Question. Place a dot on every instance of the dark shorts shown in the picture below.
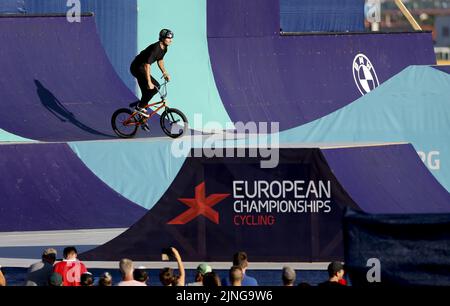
(138, 71)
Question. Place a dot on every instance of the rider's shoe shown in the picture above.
(141, 111)
(145, 127)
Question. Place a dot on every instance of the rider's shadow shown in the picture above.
(54, 106)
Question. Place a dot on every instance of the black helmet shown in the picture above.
(165, 33)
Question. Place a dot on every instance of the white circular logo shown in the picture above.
(364, 74)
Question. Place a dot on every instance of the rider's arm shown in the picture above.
(148, 74)
(162, 68)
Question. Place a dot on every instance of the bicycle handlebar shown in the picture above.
(162, 89)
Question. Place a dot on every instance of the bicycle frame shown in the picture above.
(162, 90)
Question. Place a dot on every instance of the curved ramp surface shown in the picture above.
(388, 179)
(265, 77)
(443, 68)
(413, 107)
(241, 217)
(47, 187)
(56, 82)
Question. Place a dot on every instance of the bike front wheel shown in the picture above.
(123, 124)
(174, 123)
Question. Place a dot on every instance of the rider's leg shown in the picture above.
(147, 93)
(139, 73)
(146, 96)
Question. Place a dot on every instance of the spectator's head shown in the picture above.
(288, 276)
(105, 280)
(241, 259)
(211, 279)
(140, 274)
(70, 253)
(126, 268)
(49, 255)
(236, 276)
(167, 278)
(86, 279)
(55, 280)
(335, 271)
(202, 269)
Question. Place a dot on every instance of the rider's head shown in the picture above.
(166, 36)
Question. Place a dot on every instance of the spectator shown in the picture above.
(39, 273)
(55, 280)
(211, 279)
(335, 273)
(127, 270)
(105, 280)
(2, 278)
(202, 269)
(236, 276)
(140, 275)
(241, 259)
(87, 280)
(288, 276)
(70, 268)
(167, 276)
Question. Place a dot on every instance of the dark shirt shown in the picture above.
(39, 273)
(150, 55)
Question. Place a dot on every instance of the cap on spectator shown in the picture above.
(55, 279)
(204, 268)
(289, 274)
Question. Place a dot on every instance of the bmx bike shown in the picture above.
(125, 122)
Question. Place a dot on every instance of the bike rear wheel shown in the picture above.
(174, 123)
(123, 125)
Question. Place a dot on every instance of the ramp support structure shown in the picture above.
(408, 15)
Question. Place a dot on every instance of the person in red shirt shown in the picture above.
(336, 274)
(70, 268)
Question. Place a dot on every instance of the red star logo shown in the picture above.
(200, 205)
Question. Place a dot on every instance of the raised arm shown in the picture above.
(2, 279)
(182, 279)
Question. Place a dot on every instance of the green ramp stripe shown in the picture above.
(141, 171)
(193, 89)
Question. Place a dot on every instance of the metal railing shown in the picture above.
(442, 55)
